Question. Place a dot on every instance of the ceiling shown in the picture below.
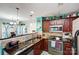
(8, 10)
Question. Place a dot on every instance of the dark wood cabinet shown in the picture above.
(56, 22)
(45, 44)
(67, 27)
(45, 25)
(67, 48)
(41, 46)
(37, 48)
(70, 26)
(67, 24)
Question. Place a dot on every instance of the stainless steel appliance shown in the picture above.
(76, 42)
(75, 32)
(55, 47)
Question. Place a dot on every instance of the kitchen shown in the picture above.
(53, 35)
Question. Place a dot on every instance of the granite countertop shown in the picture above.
(19, 50)
(26, 47)
(16, 36)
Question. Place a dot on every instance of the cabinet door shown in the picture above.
(66, 26)
(67, 48)
(41, 46)
(46, 24)
(70, 25)
(46, 44)
(37, 48)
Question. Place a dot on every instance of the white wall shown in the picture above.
(0, 30)
(32, 26)
(75, 26)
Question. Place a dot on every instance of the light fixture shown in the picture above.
(17, 22)
(11, 23)
(59, 8)
(32, 12)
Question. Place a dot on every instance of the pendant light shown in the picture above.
(11, 22)
(17, 22)
(31, 14)
(59, 9)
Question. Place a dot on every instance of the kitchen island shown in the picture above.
(23, 45)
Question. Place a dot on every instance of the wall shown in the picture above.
(32, 27)
(0, 48)
(0, 30)
(39, 24)
(78, 44)
(75, 26)
(74, 29)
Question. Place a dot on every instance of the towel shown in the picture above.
(53, 44)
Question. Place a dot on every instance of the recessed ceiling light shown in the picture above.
(32, 12)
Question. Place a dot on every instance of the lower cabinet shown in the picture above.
(45, 44)
(37, 48)
(41, 46)
(67, 48)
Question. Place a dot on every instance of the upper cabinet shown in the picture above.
(67, 27)
(56, 26)
(45, 25)
(52, 25)
(57, 22)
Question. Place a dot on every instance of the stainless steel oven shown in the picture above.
(55, 47)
